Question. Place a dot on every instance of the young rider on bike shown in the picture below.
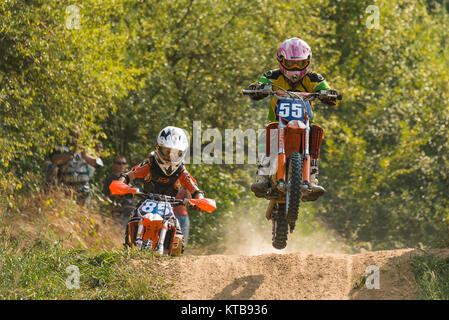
(164, 172)
(294, 58)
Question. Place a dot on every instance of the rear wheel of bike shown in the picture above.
(294, 181)
(280, 227)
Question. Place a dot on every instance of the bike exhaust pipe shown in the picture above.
(270, 209)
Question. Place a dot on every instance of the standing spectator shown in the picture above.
(70, 166)
(123, 205)
(181, 213)
(98, 151)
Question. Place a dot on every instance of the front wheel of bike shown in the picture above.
(294, 181)
(178, 246)
(280, 227)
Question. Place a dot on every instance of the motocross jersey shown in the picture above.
(156, 181)
(76, 170)
(311, 82)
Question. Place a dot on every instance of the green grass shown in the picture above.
(432, 276)
(40, 272)
(358, 284)
(34, 262)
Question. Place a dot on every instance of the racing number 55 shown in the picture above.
(285, 108)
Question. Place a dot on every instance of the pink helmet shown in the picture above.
(294, 57)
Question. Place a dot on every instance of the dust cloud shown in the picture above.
(250, 234)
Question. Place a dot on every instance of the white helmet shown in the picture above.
(171, 148)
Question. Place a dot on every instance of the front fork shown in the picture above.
(306, 155)
(282, 158)
(281, 174)
(160, 243)
(139, 235)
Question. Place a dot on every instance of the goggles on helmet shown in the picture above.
(294, 65)
(170, 154)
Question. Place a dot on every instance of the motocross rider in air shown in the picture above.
(294, 58)
(164, 172)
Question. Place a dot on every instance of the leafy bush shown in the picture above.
(432, 277)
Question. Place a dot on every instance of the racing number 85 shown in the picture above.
(153, 207)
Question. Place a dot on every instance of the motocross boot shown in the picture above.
(260, 186)
(312, 191)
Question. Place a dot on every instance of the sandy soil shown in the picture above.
(312, 267)
(296, 276)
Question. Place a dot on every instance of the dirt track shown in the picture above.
(295, 276)
(302, 271)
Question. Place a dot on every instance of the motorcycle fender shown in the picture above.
(152, 228)
(294, 125)
(294, 140)
(152, 217)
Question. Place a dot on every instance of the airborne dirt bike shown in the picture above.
(153, 225)
(292, 175)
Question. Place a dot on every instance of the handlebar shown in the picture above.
(204, 204)
(172, 200)
(156, 196)
(120, 188)
(306, 96)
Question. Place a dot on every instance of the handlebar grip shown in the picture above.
(248, 92)
(340, 97)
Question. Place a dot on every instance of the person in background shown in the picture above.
(98, 151)
(70, 166)
(122, 205)
(182, 214)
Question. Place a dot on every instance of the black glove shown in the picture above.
(258, 95)
(324, 97)
(195, 208)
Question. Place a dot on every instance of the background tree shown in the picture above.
(122, 70)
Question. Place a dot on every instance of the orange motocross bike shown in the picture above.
(293, 159)
(153, 226)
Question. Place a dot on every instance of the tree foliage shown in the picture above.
(122, 70)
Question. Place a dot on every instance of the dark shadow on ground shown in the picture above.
(241, 289)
